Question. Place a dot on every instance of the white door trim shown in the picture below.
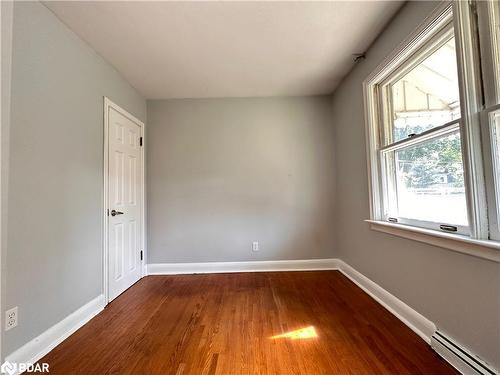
(107, 105)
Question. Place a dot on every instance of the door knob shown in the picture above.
(114, 213)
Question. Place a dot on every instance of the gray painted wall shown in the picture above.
(225, 172)
(460, 293)
(6, 8)
(55, 182)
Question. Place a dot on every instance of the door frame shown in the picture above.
(108, 104)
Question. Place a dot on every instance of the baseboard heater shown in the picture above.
(458, 357)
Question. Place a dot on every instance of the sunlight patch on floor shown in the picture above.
(303, 333)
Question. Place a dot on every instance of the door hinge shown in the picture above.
(140, 141)
(141, 254)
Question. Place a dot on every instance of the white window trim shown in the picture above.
(477, 244)
(489, 34)
(463, 244)
(492, 165)
(470, 102)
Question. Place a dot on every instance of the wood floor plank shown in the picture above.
(245, 323)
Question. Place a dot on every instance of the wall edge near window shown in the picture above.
(484, 249)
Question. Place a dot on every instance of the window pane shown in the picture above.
(429, 181)
(428, 95)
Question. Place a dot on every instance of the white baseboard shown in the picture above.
(48, 340)
(415, 321)
(254, 266)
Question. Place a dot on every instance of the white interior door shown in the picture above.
(125, 186)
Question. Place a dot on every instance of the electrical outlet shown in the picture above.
(11, 318)
(255, 246)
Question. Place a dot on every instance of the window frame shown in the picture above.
(437, 39)
(439, 18)
(489, 36)
(463, 17)
(492, 156)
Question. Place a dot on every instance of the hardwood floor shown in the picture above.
(224, 324)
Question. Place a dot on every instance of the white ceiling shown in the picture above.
(228, 49)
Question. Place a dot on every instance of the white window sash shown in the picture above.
(459, 229)
(436, 132)
(389, 186)
(418, 56)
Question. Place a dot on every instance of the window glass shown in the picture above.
(427, 96)
(429, 181)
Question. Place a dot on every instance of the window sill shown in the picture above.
(479, 248)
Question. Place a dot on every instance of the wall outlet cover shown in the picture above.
(11, 318)
(255, 246)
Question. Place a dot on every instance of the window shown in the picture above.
(431, 107)
(421, 155)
